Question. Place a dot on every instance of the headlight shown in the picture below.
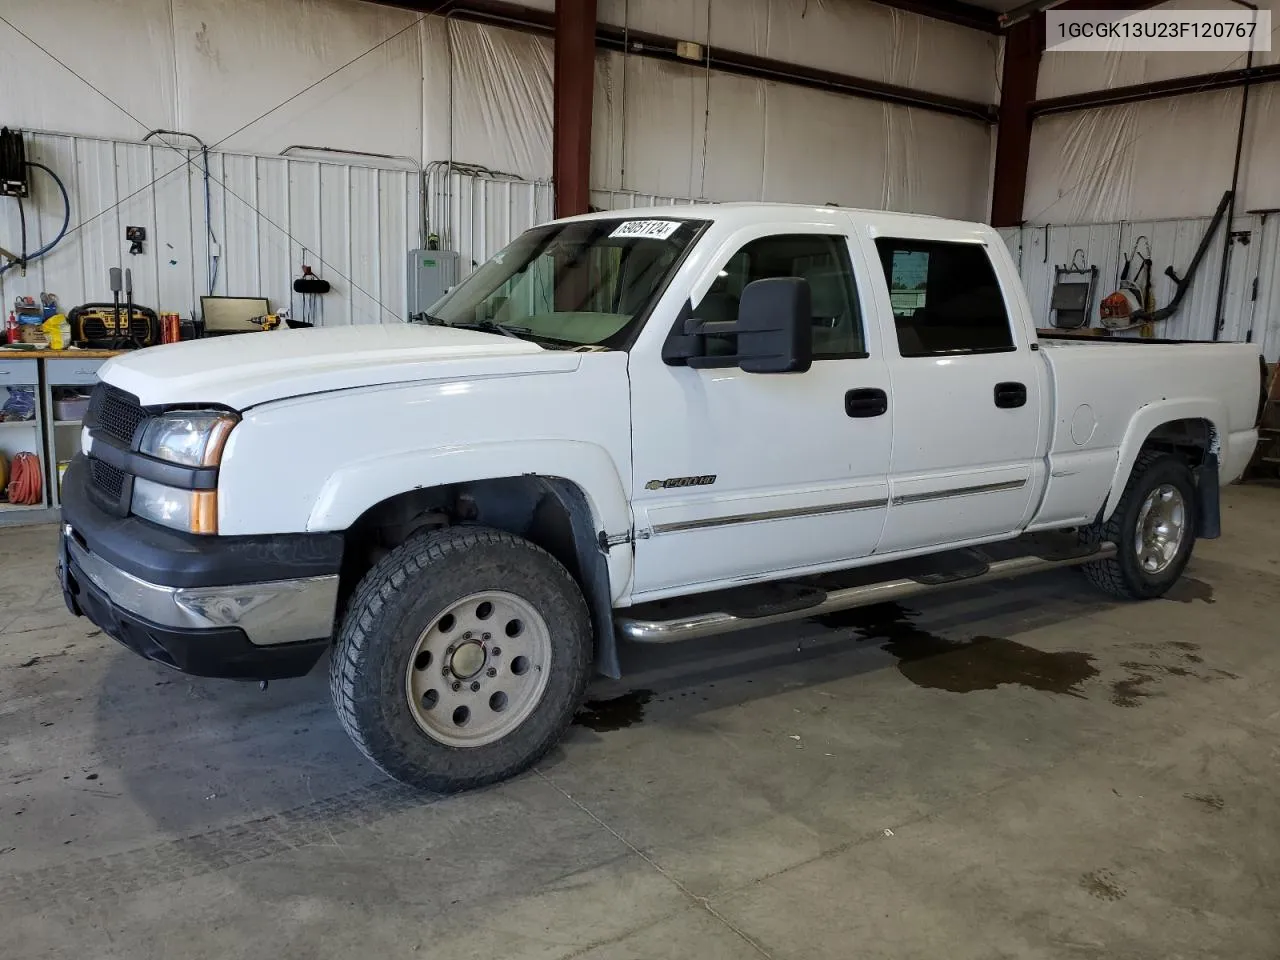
(193, 439)
(194, 511)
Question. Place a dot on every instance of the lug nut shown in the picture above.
(457, 685)
(493, 671)
(487, 636)
(475, 685)
(496, 651)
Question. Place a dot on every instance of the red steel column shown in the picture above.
(1023, 45)
(574, 80)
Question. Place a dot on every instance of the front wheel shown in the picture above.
(461, 659)
(1153, 528)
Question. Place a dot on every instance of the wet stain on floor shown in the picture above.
(1189, 590)
(1143, 674)
(982, 663)
(1132, 690)
(1210, 801)
(1102, 884)
(625, 710)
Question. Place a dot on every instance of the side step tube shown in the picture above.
(711, 624)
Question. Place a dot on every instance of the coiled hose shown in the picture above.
(26, 257)
(25, 482)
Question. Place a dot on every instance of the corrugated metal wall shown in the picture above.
(353, 223)
(1037, 249)
(477, 212)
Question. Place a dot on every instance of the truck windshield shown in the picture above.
(586, 282)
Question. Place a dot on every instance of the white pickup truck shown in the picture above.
(652, 426)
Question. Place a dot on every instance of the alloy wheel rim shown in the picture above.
(479, 669)
(1161, 529)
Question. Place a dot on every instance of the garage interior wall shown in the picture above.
(680, 130)
(253, 78)
(1107, 175)
(350, 76)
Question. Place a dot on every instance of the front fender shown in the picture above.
(1145, 421)
(355, 487)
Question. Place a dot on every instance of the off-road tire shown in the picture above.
(403, 593)
(1122, 576)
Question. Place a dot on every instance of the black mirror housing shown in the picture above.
(774, 331)
(775, 326)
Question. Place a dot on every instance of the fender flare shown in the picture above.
(581, 476)
(355, 487)
(1146, 421)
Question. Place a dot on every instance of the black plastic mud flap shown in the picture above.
(592, 572)
(1210, 512)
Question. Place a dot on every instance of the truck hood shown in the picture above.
(248, 369)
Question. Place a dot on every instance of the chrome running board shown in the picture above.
(647, 630)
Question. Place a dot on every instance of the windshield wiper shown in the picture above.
(490, 326)
(484, 326)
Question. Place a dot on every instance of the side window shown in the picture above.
(945, 298)
(823, 261)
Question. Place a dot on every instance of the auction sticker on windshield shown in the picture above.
(649, 229)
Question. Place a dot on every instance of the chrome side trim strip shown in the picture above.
(278, 611)
(960, 491)
(716, 622)
(795, 512)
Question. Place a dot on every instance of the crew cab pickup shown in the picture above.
(651, 426)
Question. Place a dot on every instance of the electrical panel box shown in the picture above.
(430, 274)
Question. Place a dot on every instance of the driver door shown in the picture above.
(741, 476)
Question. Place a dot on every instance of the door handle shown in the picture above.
(1011, 394)
(866, 402)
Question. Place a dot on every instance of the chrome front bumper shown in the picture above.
(271, 613)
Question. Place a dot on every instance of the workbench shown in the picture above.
(52, 440)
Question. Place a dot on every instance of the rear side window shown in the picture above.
(945, 298)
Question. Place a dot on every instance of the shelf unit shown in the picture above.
(62, 438)
(23, 436)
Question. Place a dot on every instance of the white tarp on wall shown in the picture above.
(255, 76)
(1062, 74)
(674, 130)
(681, 130)
(855, 37)
(1162, 158)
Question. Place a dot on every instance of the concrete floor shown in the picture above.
(1087, 779)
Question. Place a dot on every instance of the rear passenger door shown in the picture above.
(966, 395)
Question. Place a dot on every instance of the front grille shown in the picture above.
(107, 479)
(114, 412)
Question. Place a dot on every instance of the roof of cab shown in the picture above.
(747, 212)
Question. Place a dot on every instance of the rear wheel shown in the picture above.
(461, 659)
(1153, 528)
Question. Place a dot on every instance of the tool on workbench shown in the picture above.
(272, 321)
(30, 319)
(106, 326)
(116, 280)
(124, 336)
(102, 326)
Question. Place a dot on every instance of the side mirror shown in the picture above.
(774, 331)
